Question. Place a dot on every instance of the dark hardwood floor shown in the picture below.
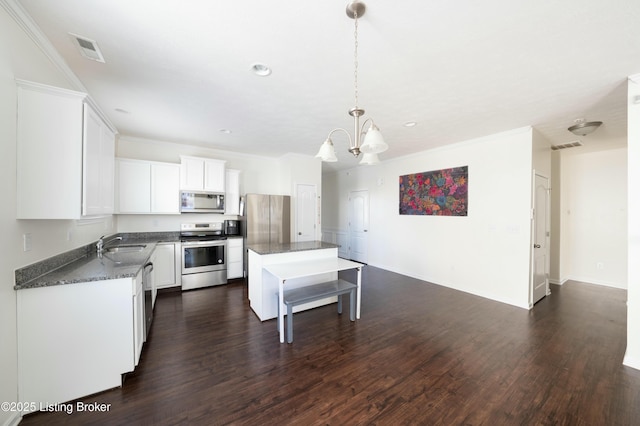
(421, 354)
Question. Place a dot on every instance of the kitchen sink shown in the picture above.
(126, 249)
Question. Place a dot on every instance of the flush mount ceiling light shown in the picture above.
(583, 128)
(261, 70)
(373, 142)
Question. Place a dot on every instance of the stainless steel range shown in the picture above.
(203, 255)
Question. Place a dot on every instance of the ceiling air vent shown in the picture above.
(88, 48)
(566, 145)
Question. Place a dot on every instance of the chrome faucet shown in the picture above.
(100, 246)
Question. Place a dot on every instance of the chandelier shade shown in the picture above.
(369, 159)
(327, 153)
(373, 141)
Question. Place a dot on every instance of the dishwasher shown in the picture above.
(147, 282)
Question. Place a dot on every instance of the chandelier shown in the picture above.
(370, 142)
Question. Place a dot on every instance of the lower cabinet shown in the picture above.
(75, 339)
(138, 318)
(167, 267)
(235, 258)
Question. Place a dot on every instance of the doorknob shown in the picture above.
(536, 246)
(299, 233)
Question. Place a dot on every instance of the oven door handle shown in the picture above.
(204, 243)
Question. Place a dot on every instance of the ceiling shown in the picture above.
(180, 70)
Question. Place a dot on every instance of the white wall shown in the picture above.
(593, 216)
(261, 175)
(486, 253)
(21, 58)
(632, 356)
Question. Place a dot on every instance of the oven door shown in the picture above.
(203, 256)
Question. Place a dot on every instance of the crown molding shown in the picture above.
(22, 18)
(33, 31)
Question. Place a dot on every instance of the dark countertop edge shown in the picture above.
(268, 249)
(40, 284)
(31, 276)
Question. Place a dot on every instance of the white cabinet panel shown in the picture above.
(74, 339)
(148, 187)
(202, 174)
(138, 318)
(134, 183)
(165, 188)
(235, 258)
(164, 265)
(214, 175)
(65, 155)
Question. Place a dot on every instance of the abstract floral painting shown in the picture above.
(435, 193)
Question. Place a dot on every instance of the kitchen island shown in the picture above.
(300, 264)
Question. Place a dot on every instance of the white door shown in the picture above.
(306, 212)
(541, 238)
(359, 225)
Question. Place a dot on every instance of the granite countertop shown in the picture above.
(84, 264)
(277, 248)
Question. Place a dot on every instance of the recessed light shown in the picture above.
(410, 124)
(225, 131)
(261, 69)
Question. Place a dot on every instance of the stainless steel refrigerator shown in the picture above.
(266, 219)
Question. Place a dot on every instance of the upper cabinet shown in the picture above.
(147, 187)
(202, 174)
(65, 155)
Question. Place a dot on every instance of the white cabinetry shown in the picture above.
(145, 187)
(74, 339)
(202, 174)
(65, 155)
(138, 318)
(232, 192)
(235, 258)
(166, 269)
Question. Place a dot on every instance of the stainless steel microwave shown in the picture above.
(201, 202)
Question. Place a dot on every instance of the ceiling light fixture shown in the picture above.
(373, 143)
(582, 128)
(261, 70)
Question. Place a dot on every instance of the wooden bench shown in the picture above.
(311, 293)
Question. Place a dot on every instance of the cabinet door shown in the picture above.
(165, 188)
(107, 170)
(232, 192)
(214, 175)
(192, 173)
(235, 257)
(98, 147)
(49, 152)
(138, 318)
(91, 163)
(164, 266)
(134, 181)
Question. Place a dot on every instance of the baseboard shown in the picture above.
(13, 420)
(558, 282)
(631, 362)
(588, 280)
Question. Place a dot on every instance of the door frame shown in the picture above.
(534, 214)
